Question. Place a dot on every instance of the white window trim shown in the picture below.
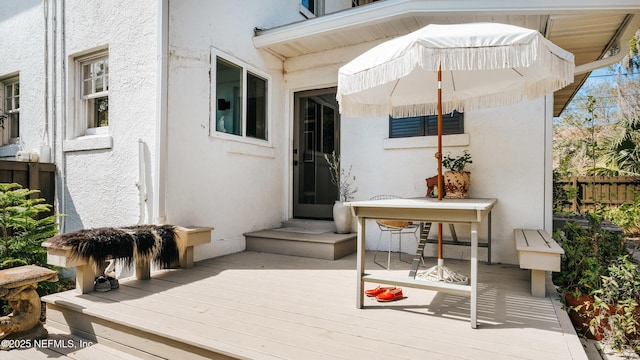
(79, 136)
(5, 133)
(305, 12)
(246, 68)
(319, 6)
(431, 141)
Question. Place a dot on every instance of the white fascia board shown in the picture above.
(382, 10)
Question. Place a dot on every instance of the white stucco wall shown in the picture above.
(100, 184)
(230, 183)
(22, 44)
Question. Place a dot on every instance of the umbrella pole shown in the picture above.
(440, 272)
(440, 180)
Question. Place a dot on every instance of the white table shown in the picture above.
(470, 211)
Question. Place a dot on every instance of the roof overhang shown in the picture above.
(587, 28)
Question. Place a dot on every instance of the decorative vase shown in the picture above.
(456, 184)
(342, 217)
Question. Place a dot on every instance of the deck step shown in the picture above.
(314, 239)
(79, 315)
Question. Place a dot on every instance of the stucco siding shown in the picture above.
(23, 55)
(101, 184)
(235, 185)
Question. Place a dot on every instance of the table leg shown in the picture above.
(474, 274)
(360, 262)
(489, 238)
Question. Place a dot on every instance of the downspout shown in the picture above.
(547, 220)
(141, 183)
(63, 114)
(51, 20)
(45, 9)
(44, 148)
(161, 102)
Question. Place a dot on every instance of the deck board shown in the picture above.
(277, 306)
(79, 350)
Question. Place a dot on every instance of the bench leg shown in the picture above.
(538, 283)
(186, 258)
(143, 270)
(85, 276)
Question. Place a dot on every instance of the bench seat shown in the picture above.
(187, 238)
(538, 252)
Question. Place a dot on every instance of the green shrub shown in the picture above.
(626, 216)
(23, 227)
(588, 253)
(616, 316)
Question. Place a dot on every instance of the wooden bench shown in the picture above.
(187, 238)
(538, 252)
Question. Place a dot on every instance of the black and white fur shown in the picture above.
(129, 244)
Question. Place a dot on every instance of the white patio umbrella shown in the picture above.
(441, 68)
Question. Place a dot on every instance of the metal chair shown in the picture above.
(394, 227)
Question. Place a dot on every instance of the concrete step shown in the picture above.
(307, 238)
(310, 224)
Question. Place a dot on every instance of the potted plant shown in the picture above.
(343, 180)
(456, 180)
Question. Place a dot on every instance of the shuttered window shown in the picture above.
(452, 123)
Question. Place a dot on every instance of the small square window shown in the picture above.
(241, 101)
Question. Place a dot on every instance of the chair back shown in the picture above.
(391, 224)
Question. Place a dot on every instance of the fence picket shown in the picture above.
(599, 190)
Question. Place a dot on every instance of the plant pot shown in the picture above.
(342, 217)
(582, 317)
(456, 184)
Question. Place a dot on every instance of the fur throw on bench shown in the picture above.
(153, 243)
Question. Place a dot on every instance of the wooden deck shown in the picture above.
(266, 306)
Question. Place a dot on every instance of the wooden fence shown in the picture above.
(585, 192)
(32, 175)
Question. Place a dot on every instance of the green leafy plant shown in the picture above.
(615, 312)
(626, 216)
(588, 252)
(456, 163)
(24, 225)
(340, 177)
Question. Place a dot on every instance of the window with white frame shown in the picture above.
(10, 123)
(93, 86)
(312, 8)
(241, 100)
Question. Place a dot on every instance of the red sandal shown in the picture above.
(377, 291)
(390, 295)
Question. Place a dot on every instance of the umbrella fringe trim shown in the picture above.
(533, 54)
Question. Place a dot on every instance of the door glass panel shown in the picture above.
(316, 136)
(228, 90)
